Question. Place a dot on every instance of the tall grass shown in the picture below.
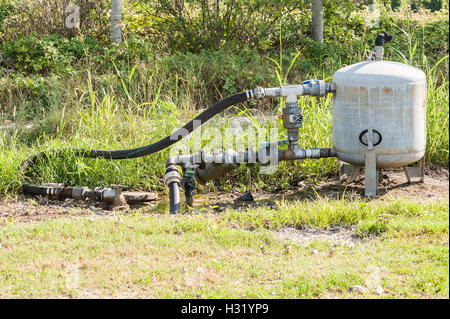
(107, 123)
(437, 115)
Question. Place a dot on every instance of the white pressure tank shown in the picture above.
(379, 108)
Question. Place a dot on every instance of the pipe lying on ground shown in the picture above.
(110, 196)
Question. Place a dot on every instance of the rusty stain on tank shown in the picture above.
(387, 96)
(387, 91)
(346, 93)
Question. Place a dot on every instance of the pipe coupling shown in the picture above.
(317, 88)
(79, 192)
(172, 176)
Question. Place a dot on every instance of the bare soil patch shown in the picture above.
(393, 185)
(339, 236)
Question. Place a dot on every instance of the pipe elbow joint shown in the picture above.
(383, 38)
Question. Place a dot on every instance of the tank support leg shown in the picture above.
(348, 172)
(416, 171)
(371, 173)
(370, 161)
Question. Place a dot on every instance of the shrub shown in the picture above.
(43, 55)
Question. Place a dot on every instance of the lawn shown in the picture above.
(397, 249)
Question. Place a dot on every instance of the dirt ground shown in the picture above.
(393, 185)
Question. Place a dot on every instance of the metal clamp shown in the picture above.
(172, 177)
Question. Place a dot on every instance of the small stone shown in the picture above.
(287, 249)
(380, 290)
(201, 269)
(358, 289)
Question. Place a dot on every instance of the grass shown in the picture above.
(216, 255)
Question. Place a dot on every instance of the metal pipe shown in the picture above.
(108, 195)
(296, 153)
(189, 185)
(209, 167)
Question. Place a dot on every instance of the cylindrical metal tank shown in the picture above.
(383, 97)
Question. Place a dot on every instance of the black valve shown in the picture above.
(383, 38)
(189, 187)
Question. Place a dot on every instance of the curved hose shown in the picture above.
(167, 141)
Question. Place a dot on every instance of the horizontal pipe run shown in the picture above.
(208, 167)
(261, 156)
(302, 153)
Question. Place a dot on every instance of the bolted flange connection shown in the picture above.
(172, 175)
(172, 178)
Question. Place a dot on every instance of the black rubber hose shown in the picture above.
(35, 190)
(174, 195)
(215, 109)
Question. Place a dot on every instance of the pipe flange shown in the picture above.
(259, 92)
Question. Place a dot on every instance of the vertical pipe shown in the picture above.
(116, 21)
(317, 20)
(174, 195)
(189, 186)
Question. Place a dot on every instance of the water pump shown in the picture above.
(379, 121)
